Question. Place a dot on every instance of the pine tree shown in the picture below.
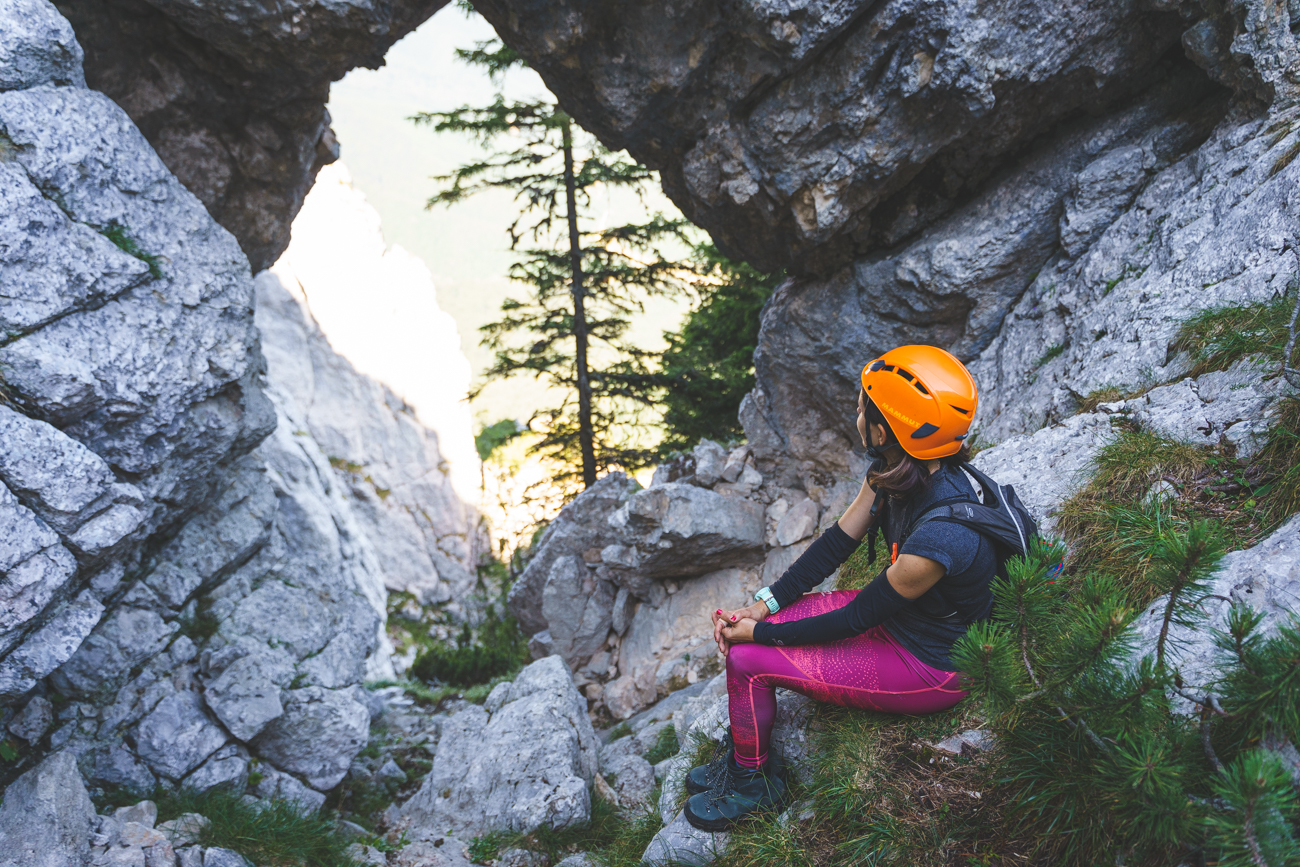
(708, 367)
(1104, 763)
(584, 284)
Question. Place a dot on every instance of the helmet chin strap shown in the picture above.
(877, 453)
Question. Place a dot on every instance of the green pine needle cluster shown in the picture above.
(1143, 485)
(619, 405)
(1102, 762)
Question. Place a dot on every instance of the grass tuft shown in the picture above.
(1106, 394)
(202, 624)
(121, 237)
(271, 834)
(1218, 337)
(612, 838)
(857, 571)
(1143, 486)
(882, 795)
(1053, 351)
(1285, 159)
(665, 745)
(1279, 462)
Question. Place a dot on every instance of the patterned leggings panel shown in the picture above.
(871, 671)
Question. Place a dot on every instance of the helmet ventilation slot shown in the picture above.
(924, 431)
(904, 374)
(959, 409)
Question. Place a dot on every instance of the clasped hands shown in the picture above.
(735, 627)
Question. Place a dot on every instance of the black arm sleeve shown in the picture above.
(826, 554)
(869, 608)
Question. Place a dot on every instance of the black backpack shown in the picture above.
(1001, 518)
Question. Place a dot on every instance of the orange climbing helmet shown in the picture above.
(927, 397)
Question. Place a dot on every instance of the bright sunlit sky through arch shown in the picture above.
(465, 246)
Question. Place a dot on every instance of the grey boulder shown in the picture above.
(525, 766)
(178, 735)
(678, 529)
(577, 605)
(46, 817)
(33, 720)
(37, 46)
(580, 526)
(217, 857)
(680, 843)
(317, 736)
(245, 695)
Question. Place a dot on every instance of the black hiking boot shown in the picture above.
(702, 778)
(737, 793)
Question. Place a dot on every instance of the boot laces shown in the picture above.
(718, 762)
(724, 782)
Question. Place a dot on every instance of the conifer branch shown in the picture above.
(1205, 736)
(1290, 373)
(1024, 647)
(1248, 831)
(1183, 578)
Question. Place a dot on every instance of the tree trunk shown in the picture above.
(586, 441)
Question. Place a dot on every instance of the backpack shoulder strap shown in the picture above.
(995, 524)
(991, 489)
(942, 509)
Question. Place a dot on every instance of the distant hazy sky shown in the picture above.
(391, 160)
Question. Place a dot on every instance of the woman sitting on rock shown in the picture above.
(884, 648)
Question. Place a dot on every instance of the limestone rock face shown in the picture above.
(525, 765)
(232, 95)
(621, 583)
(866, 148)
(955, 283)
(801, 133)
(580, 526)
(201, 593)
(426, 540)
(46, 816)
(680, 529)
(37, 47)
(129, 351)
(1210, 229)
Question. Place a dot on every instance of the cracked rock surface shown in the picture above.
(188, 583)
(232, 95)
(535, 773)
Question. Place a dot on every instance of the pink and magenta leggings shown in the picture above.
(871, 671)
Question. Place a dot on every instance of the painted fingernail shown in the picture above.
(733, 617)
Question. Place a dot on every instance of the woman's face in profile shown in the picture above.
(862, 417)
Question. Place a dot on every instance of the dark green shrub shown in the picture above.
(497, 649)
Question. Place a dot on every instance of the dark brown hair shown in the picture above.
(910, 475)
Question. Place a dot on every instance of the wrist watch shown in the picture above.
(765, 596)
